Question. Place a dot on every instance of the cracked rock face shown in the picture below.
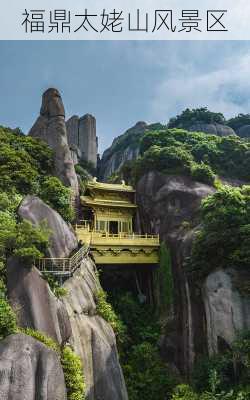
(29, 370)
(93, 338)
(50, 127)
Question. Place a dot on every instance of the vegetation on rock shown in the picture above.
(146, 375)
(73, 374)
(189, 117)
(223, 240)
(195, 154)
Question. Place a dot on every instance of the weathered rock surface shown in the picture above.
(50, 126)
(213, 129)
(244, 131)
(29, 370)
(227, 310)
(169, 205)
(62, 239)
(205, 316)
(123, 148)
(34, 303)
(93, 338)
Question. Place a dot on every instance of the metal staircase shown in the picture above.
(63, 266)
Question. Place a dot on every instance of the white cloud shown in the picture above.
(225, 89)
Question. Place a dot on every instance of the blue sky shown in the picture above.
(123, 82)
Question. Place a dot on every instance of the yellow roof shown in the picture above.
(89, 201)
(110, 186)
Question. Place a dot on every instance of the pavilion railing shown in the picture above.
(62, 266)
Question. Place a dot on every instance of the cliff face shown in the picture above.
(30, 370)
(123, 148)
(92, 337)
(203, 315)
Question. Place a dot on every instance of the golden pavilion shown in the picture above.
(107, 226)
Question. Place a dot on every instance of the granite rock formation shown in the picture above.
(203, 315)
(82, 137)
(123, 148)
(93, 339)
(34, 303)
(29, 370)
(50, 126)
(244, 131)
(62, 238)
(227, 311)
(212, 128)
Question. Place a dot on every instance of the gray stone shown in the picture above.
(244, 131)
(113, 159)
(82, 133)
(29, 370)
(93, 339)
(34, 303)
(213, 129)
(50, 127)
(62, 237)
(227, 311)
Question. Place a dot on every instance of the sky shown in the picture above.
(122, 82)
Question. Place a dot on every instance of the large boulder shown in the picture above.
(50, 126)
(34, 303)
(227, 308)
(212, 128)
(244, 131)
(29, 370)
(62, 238)
(169, 205)
(93, 338)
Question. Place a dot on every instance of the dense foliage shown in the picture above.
(8, 323)
(146, 375)
(56, 195)
(26, 167)
(201, 156)
(189, 117)
(224, 238)
(73, 374)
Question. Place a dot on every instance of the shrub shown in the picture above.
(73, 374)
(105, 310)
(202, 173)
(223, 239)
(7, 319)
(58, 196)
(41, 337)
(189, 117)
(184, 392)
(55, 286)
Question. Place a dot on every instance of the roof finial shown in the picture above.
(95, 179)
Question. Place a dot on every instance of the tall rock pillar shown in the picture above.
(50, 126)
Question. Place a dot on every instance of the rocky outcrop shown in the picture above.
(244, 131)
(207, 315)
(50, 126)
(62, 238)
(82, 134)
(93, 339)
(227, 310)
(29, 370)
(34, 303)
(212, 128)
(124, 148)
(169, 205)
